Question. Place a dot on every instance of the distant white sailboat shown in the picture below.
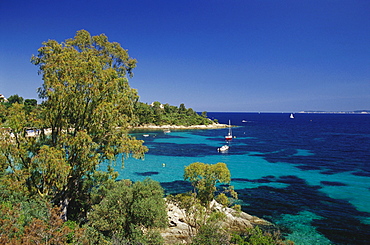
(291, 116)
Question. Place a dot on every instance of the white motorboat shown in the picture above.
(223, 148)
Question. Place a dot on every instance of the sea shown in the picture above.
(309, 175)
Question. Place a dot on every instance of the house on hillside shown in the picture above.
(2, 98)
(160, 105)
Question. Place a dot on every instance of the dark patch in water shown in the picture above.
(330, 172)
(224, 185)
(332, 183)
(186, 150)
(364, 174)
(240, 180)
(307, 167)
(146, 173)
(269, 177)
(339, 217)
(176, 187)
(262, 180)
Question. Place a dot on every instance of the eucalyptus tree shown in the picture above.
(88, 106)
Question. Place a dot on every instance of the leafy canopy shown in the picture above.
(88, 106)
(204, 178)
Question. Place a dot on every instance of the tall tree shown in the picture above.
(88, 106)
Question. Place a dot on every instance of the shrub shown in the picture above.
(130, 211)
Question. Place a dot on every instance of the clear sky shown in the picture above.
(211, 55)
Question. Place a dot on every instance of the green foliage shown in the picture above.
(237, 207)
(204, 178)
(166, 114)
(50, 170)
(128, 209)
(2, 112)
(223, 199)
(210, 233)
(88, 107)
(15, 99)
(30, 105)
(255, 236)
(30, 102)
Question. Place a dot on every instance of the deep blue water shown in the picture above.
(310, 175)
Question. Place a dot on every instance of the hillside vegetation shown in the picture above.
(159, 114)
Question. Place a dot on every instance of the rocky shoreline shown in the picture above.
(180, 231)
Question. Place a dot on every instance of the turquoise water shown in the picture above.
(310, 175)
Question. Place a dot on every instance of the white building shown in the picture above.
(161, 106)
(2, 98)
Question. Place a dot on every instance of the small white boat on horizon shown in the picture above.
(291, 116)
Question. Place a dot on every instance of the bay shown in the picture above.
(310, 175)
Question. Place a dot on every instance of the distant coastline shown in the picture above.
(338, 112)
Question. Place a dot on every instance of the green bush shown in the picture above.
(255, 236)
(211, 234)
(129, 209)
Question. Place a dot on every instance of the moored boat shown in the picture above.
(223, 148)
(229, 136)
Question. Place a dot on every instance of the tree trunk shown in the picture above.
(63, 208)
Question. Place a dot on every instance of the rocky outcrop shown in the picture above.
(180, 231)
(238, 220)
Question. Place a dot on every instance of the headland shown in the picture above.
(180, 127)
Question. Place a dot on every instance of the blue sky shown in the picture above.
(235, 55)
